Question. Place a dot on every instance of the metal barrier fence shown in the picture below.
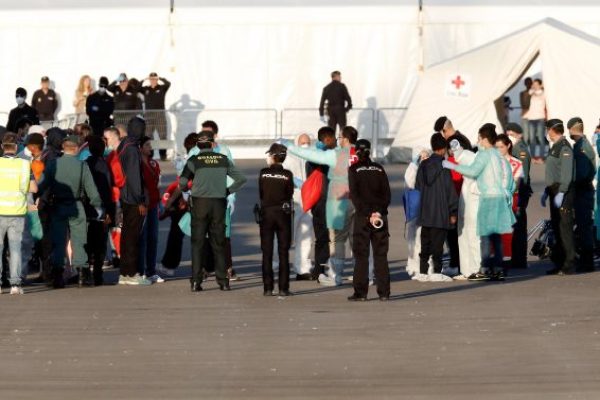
(378, 125)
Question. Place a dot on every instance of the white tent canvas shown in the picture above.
(465, 87)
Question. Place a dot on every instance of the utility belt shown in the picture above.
(286, 207)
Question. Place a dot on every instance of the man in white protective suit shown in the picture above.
(303, 230)
(468, 241)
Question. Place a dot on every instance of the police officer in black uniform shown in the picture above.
(154, 96)
(370, 193)
(338, 101)
(276, 190)
(21, 111)
(99, 107)
(125, 93)
(559, 188)
(44, 101)
(585, 171)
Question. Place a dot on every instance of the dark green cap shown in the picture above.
(574, 121)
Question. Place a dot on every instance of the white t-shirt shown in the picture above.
(537, 107)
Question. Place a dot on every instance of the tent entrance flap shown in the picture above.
(508, 105)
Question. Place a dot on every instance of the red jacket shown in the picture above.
(151, 175)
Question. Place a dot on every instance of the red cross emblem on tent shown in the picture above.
(458, 82)
(458, 85)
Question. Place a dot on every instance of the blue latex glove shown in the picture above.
(323, 120)
(231, 204)
(448, 165)
(298, 182)
(543, 199)
(558, 199)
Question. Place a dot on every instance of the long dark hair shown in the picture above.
(503, 137)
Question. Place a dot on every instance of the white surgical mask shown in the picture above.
(101, 90)
(548, 139)
(20, 100)
(27, 152)
(269, 160)
(513, 140)
(305, 145)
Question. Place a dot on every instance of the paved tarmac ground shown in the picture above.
(531, 337)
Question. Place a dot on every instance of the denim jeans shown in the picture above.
(536, 134)
(149, 244)
(491, 263)
(13, 227)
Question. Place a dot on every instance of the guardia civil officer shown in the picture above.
(276, 190)
(370, 193)
(585, 170)
(208, 172)
(520, 150)
(67, 179)
(559, 180)
(99, 107)
(338, 102)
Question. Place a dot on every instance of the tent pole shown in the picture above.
(421, 26)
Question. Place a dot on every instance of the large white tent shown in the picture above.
(253, 55)
(465, 87)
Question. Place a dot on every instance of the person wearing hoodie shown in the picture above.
(340, 211)
(21, 111)
(98, 229)
(133, 203)
(303, 233)
(438, 208)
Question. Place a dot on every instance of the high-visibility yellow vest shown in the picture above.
(14, 186)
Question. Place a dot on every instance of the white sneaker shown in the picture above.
(138, 280)
(460, 277)
(439, 278)
(124, 280)
(165, 271)
(325, 280)
(371, 282)
(421, 277)
(16, 290)
(155, 279)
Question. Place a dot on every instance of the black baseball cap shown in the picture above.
(206, 137)
(21, 92)
(277, 148)
(439, 124)
(103, 81)
(362, 144)
(574, 121)
(513, 126)
(153, 75)
(45, 79)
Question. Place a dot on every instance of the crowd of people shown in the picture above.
(475, 201)
(67, 194)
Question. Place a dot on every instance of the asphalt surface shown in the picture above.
(531, 337)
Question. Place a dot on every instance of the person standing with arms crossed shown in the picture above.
(338, 102)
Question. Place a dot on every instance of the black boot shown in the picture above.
(58, 281)
(98, 274)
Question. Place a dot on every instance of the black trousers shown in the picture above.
(432, 245)
(563, 252)
(208, 216)
(96, 247)
(519, 240)
(172, 255)
(452, 238)
(365, 236)
(130, 239)
(584, 219)
(276, 222)
(321, 237)
(337, 116)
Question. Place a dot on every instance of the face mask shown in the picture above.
(102, 90)
(20, 100)
(321, 146)
(548, 139)
(27, 153)
(305, 146)
(513, 140)
(269, 160)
